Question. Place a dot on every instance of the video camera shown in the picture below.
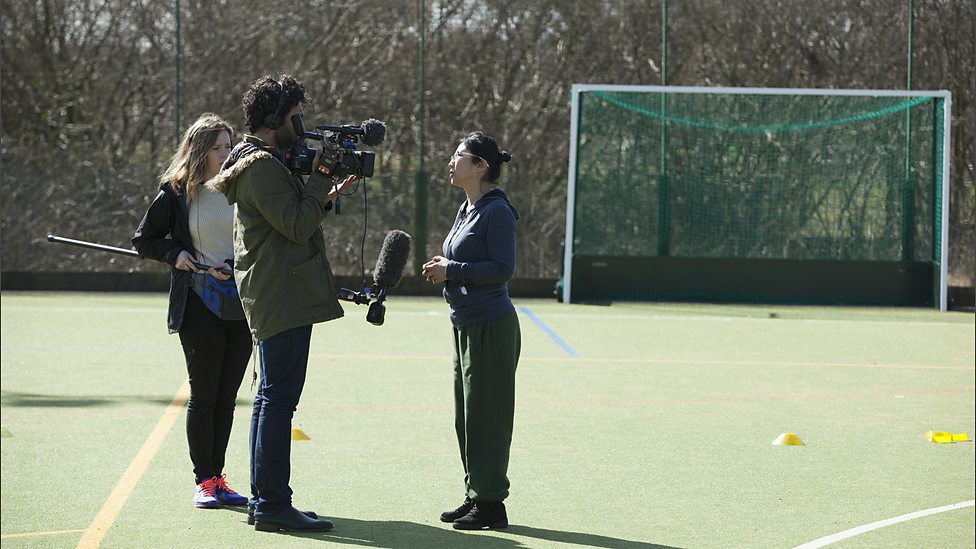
(340, 156)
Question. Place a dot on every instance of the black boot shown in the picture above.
(451, 516)
(290, 519)
(250, 513)
(483, 514)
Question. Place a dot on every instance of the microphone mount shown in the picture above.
(374, 296)
(389, 269)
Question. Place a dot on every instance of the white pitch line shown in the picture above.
(834, 538)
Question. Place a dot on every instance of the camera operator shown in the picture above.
(285, 283)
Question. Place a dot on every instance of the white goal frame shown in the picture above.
(577, 89)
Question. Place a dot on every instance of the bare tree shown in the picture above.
(89, 96)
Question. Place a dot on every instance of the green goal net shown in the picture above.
(772, 195)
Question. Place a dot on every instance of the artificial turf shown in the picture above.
(649, 425)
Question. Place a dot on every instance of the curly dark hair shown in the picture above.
(261, 98)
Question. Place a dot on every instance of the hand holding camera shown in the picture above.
(337, 188)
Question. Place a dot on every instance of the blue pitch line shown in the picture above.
(552, 335)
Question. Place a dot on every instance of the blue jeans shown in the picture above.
(284, 361)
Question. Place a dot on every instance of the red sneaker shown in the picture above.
(225, 495)
(204, 496)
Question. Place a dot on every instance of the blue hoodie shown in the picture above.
(481, 259)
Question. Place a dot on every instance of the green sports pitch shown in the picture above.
(637, 426)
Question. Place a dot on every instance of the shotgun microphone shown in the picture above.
(389, 270)
(387, 274)
(372, 130)
(392, 259)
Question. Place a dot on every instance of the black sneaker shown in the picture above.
(451, 516)
(483, 514)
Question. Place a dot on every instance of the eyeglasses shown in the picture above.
(458, 155)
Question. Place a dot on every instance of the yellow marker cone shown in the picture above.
(943, 437)
(297, 434)
(939, 437)
(788, 439)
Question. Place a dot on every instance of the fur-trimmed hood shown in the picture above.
(245, 153)
(280, 265)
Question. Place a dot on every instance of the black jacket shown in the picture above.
(168, 215)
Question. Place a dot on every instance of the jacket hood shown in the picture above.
(243, 155)
(492, 196)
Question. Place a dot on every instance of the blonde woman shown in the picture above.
(188, 225)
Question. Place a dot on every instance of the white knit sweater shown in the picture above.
(212, 226)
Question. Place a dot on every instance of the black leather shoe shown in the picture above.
(291, 520)
(451, 516)
(250, 514)
(483, 514)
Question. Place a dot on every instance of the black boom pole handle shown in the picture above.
(91, 245)
(114, 250)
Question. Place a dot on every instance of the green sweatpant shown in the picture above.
(485, 358)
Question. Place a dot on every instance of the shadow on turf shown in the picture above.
(395, 534)
(33, 400)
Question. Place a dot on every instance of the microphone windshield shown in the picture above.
(374, 132)
(392, 260)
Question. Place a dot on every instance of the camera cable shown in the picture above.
(362, 247)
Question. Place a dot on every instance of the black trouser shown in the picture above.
(217, 352)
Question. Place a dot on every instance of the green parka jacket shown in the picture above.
(282, 272)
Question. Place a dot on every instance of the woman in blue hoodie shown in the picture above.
(478, 261)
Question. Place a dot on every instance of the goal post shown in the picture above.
(771, 195)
